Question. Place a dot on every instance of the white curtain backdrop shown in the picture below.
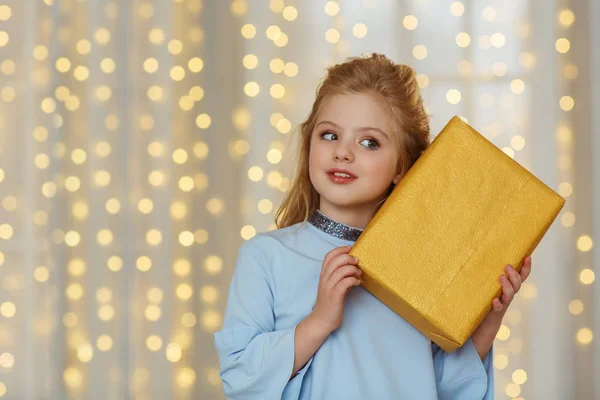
(142, 141)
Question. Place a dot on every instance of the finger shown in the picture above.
(514, 278)
(507, 290)
(341, 273)
(336, 251)
(525, 269)
(336, 262)
(497, 305)
(343, 286)
(332, 254)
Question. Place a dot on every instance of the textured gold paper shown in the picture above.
(434, 251)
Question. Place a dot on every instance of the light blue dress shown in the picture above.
(374, 354)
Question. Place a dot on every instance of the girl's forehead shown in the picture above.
(355, 110)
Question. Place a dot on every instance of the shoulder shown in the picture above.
(266, 249)
(264, 241)
(268, 244)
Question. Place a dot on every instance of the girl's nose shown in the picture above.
(342, 152)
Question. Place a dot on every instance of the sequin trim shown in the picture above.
(334, 228)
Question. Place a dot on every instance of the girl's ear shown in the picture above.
(397, 179)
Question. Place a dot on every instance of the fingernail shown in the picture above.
(503, 278)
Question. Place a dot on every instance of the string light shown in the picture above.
(87, 72)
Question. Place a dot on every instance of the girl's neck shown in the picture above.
(353, 217)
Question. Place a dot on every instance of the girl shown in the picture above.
(298, 325)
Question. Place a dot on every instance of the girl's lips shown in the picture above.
(340, 179)
(342, 171)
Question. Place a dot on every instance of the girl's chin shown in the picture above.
(347, 200)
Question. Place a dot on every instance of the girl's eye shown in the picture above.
(372, 143)
(327, 133)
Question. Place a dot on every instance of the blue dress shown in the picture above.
(374, 354)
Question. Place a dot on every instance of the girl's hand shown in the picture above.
(510, 286)
(339, 274)
(486, 332)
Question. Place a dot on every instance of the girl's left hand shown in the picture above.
(486, 332)
(511, 285)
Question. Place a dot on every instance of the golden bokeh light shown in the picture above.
(410, 22)
(500, 361)
(104, 343)
(277, 91)
(151, 65)
(248, 31)
(566, 18)
(102, 36)
(584, 336)
(143, 263)
(513, 390)
(332, 8)
(248, 232)
(489, 14)
(154, 342)
(213, 264)
(152, 313)
(587, 276)
(562, 45)
(576, 307)
(498, 40)
(567, 103)
(290, 69)
(251, 89)
(570, 71)
(107, 65)
(209, 294)
(463, 39)
(290, 13)
(173, 352)
(503, 333)
(332, 35)
(526, 59)
(360, 30)
(250, 61)
(517, 86)
(457, 8)
(453, 96)
(5, 13)
(419, 52)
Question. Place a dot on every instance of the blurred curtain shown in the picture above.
(142, 141)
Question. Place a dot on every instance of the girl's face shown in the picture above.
(353, 132)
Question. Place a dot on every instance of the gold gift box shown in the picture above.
(434, 251)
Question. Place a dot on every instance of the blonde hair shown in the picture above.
(375, 74)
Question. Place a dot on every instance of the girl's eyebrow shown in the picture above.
(362, 129)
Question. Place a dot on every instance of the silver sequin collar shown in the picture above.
(334, 228)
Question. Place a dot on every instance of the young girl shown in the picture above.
(298, 325)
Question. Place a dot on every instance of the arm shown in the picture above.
(309, 337)
(486, 332)
(468, 372)
(483, 337)
(256, 360)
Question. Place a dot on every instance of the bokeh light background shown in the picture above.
(142, 141)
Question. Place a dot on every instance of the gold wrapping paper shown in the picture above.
(434, 251)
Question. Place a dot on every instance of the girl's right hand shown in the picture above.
(339, 274)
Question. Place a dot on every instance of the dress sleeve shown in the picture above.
(462, 374)
(256, 361)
